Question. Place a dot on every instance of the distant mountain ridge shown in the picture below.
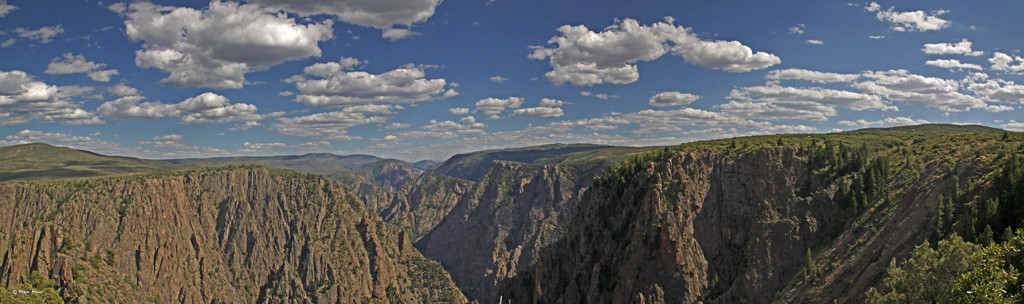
(44, 161)
(373, 178)
(347, 169)
(798, 217)
(472, 166)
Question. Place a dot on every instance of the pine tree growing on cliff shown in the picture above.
(938, 219)
(810, 271)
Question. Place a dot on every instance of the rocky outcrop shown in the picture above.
(423, 202)
(375, 197)
(762, 225)
(668, 227)
(496, 228)
(392, 174)
(374, 179)
(212, 236)
(472, 166)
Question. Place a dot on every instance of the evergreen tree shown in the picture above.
(972, 233)
(947, 213)
(955, 187)
(810, 270)
(986, 236)
(937, 219)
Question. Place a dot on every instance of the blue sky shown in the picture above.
(425, 79)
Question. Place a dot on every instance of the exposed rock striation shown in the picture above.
(496, 228)
(244, 235)
(807, 223)
(669, 225)
(423, 202)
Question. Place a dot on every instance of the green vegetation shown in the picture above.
(810, 270)
(38, 289)
(428, 276)
(42, 161)
(957, 271)
(869, 174)
(110, 258)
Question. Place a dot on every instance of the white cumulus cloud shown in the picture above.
(169, 137)
(667, 99)
(494, 106)
(601, 96)
(901, 85)
(953, 64)
(261, 147)
(798, 29)
(548, 102)
(330, 126)
(960, 48)
(213, 108)
(584, 57)
(909, 21)
(809, 75)
(539, 112)
(397, 125)
(329, 86)
(6, 8)
(71, 64)
(23, 99)
(74, 64)
(887, 122)
(998, 90)
(42, 35)
(122, 89)
(776, 102)
(373, 109)
(217, 46)
(380, 14)
(1014, 126)
(130, 107)
(1003, 62)
(998, 108)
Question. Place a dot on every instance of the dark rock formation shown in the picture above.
(423, 202)
(496, 229)
(767, 224)
(211, 236)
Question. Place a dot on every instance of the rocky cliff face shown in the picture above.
(388, 176)
(211, 236)
(392, 174)
(423, 202)
(666, 230)
(496, 228)
(758, 225)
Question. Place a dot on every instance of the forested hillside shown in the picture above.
(806, 218)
